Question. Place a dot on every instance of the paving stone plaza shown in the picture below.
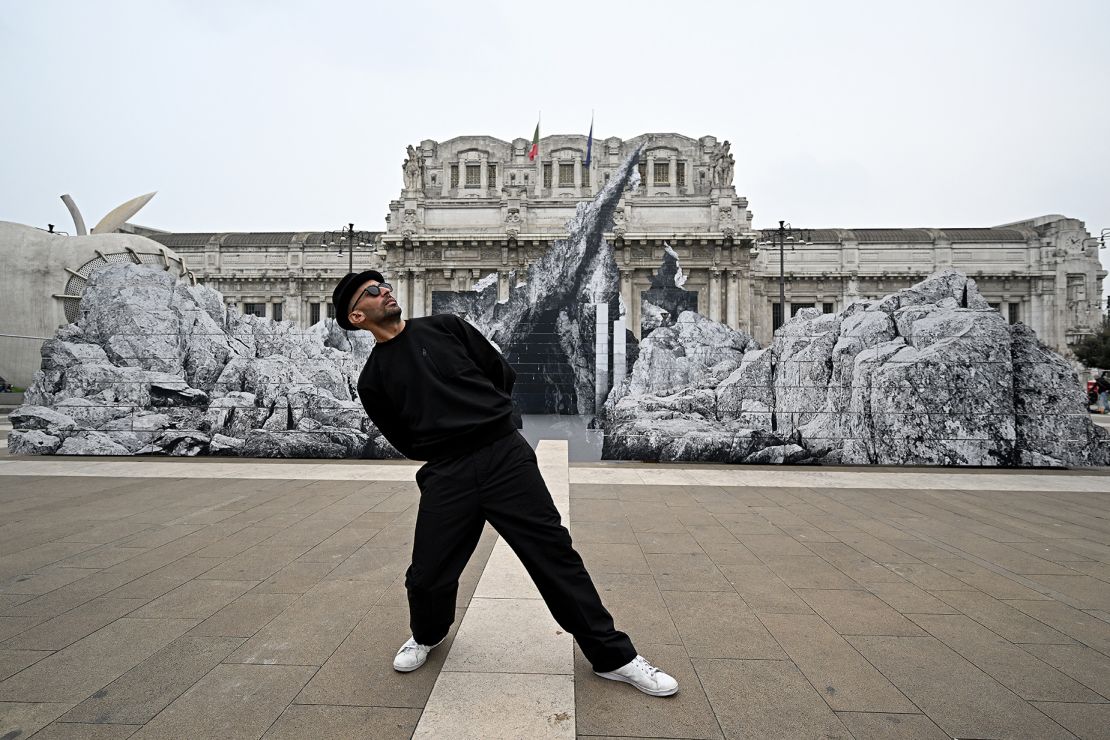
(161, 598)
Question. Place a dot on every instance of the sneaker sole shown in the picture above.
(649, 692)
(409, 670)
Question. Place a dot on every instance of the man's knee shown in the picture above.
(418, 580)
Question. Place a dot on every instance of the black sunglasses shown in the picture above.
(371, 290)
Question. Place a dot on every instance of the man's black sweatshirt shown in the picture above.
(438, 389)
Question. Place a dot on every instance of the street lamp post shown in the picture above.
(784, 234)
(350, 240)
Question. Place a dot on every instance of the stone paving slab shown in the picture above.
(491, 706)
(265, 598)
(882, 612)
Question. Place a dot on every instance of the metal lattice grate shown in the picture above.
(80, 277)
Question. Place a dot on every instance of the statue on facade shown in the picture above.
(721, 169)
(728, 164)
(413, 169)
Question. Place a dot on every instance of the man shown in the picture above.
(440, 392)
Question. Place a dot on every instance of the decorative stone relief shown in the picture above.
(409, 223)
(620, 228)
(513, 223)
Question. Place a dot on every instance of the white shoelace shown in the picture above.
(646, 667)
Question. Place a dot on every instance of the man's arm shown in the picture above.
(488, 359)
(385, 418)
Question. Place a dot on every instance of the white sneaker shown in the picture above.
(411, 656)
(644, 676)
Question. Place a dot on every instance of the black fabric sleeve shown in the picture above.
(488, 359)
(385, 418)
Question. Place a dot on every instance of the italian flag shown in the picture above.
(535, 144)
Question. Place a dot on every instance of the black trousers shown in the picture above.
(501, 484)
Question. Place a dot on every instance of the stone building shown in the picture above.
(281, 275)
(475, 208)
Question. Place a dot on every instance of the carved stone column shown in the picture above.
(1034, 317)
(401, 291)
(762, 316)
(620, 353)
(630, 308)
(732, 287)
(745, 320)
(601, 354)
(649, 185)
(419, 293)
(715, 294)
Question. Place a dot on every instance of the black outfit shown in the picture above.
(440, 392)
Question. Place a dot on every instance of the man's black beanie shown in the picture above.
(344, 292)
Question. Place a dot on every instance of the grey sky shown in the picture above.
(275, 116)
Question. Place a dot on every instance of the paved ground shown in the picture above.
(265, 599)
(806, 612)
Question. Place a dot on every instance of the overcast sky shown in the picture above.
(283, 116)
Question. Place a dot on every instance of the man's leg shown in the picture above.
(519, 506)
(448, 526)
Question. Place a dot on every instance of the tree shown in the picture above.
(1094, 351)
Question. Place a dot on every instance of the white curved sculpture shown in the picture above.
(44, 275)
(118, 216)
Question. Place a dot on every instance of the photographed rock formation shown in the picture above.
(156, 366)
(546, 325)
(931, 375)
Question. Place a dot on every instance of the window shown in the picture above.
(454, 175)
(566, 175)
(255, 309)
(680, 175)
(642, 167)
(796, 307)
(1015, 313)
(776, 316)
(276, 312)
(313, 313)
(547, 174)
(585, 176)
(662, 173)
(473, 175)
(996, 306)
(331, 310)
(828, 308)
(491, 175)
